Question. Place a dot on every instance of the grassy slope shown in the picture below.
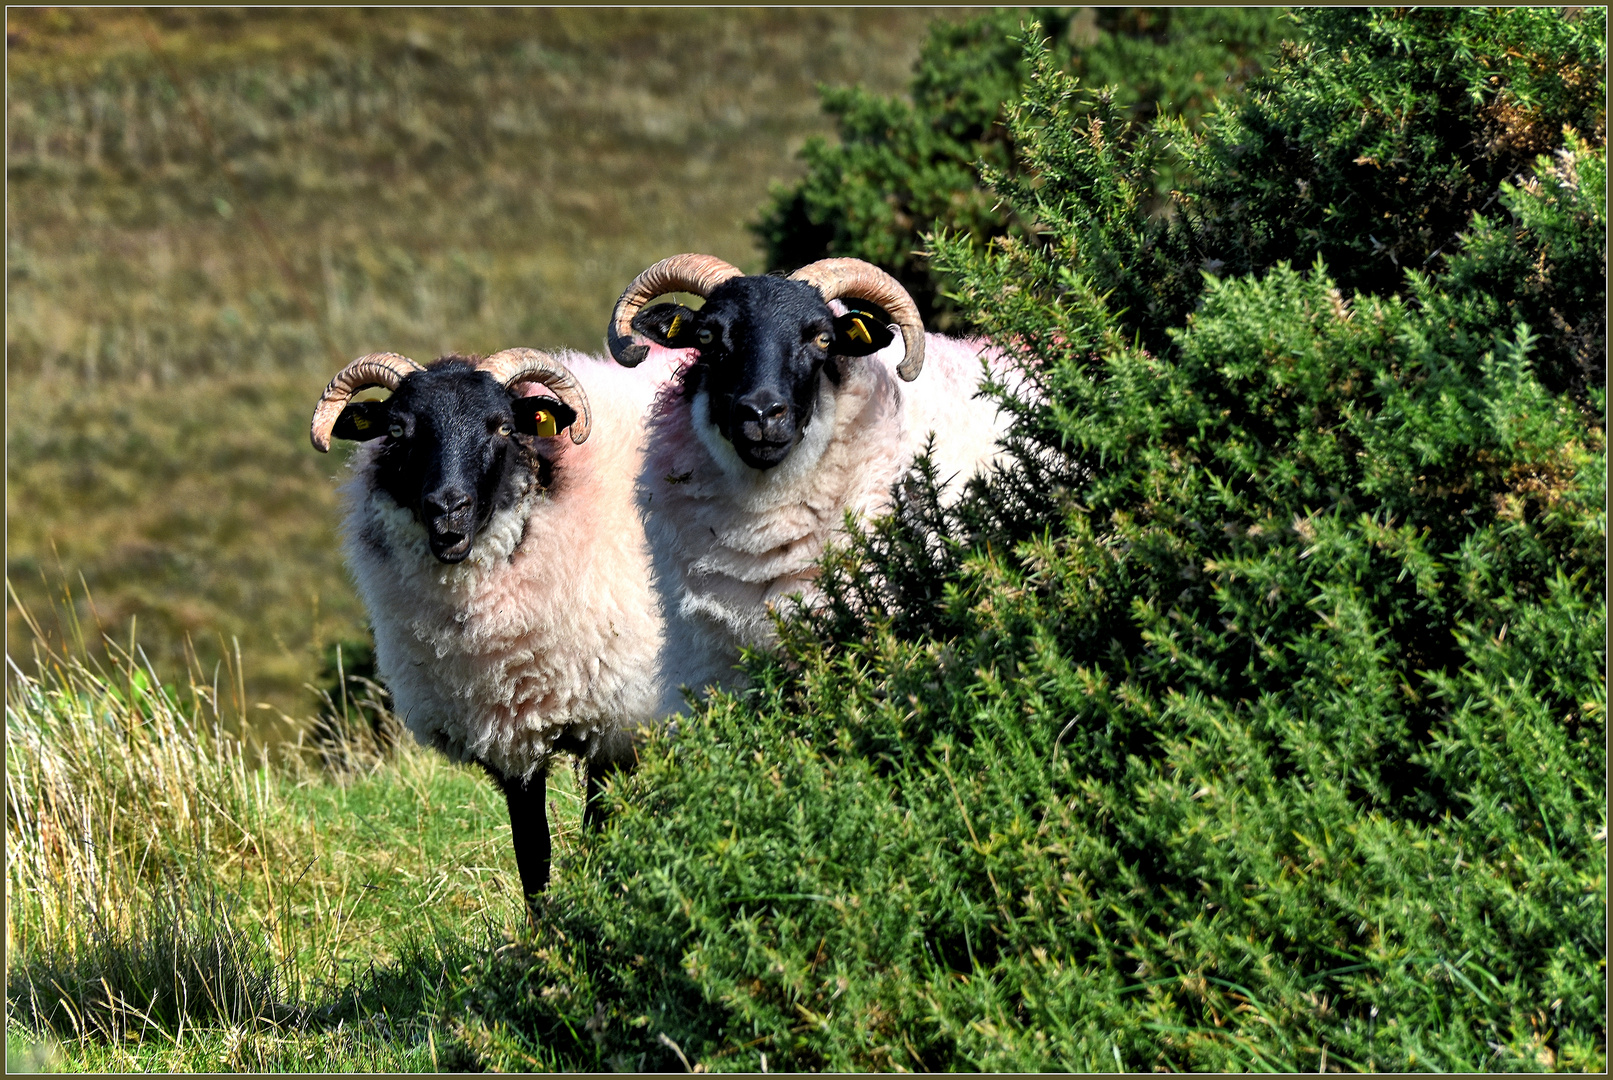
(429, 181)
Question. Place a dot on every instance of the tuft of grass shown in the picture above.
(356, 729)
(183, 896)
(27, 1054)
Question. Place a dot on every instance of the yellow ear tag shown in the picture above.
(361, 423)
(859, 332)
(677, 321)
(545, 422)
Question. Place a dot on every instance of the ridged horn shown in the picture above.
(690, 273)
(383, 369)
(855, 279)
(512, 367)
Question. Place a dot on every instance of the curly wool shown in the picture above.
(549, 628)
(730, 541)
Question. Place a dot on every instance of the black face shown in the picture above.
(762, 342)
(456, 442)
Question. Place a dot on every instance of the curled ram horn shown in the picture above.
(512, 367)
(383, 369)
(690, 273)
(855, 279)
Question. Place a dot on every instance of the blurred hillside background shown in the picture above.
(210, 210)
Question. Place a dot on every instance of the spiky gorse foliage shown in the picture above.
(901, 170)
(1255, 716)
(1379, 143)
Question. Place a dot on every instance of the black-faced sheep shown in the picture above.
(791, 410)
(504, 568)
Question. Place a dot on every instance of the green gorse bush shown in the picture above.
(1253, 716)
(902, 169)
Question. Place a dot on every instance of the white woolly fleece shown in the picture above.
(549, 627)
(729, 541)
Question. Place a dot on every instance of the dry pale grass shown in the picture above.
(168, 872)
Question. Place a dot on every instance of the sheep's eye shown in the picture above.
(825, 339)
(396, 431)
(505, 429)
(704, 336)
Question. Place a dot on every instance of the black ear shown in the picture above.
(540, 415)
(860, 332)
(362, 421)
(671, 325)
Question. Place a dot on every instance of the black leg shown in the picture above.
(529, 829)
(592, 813)
(612, 752)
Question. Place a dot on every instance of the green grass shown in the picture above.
(183, 898)
(426, 181)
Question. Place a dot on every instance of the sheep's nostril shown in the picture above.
(766, 412)
(439, 503)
